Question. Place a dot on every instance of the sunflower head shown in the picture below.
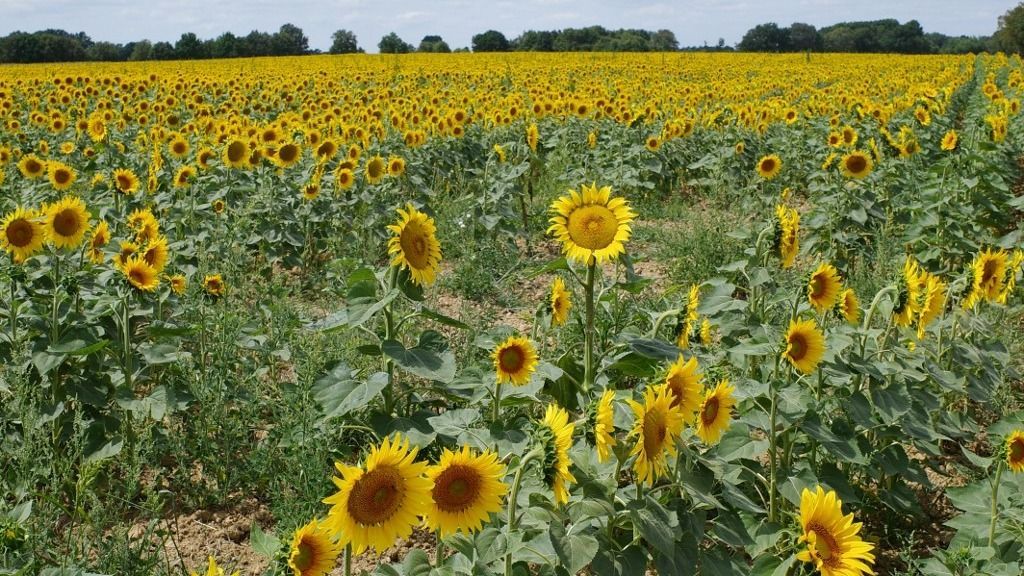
(769, 166)
(178, 284)
(561, 302)
(375, 170)
(100, 238)
(602, 425)
(467, 489)
(1015, 451)
(125, 181)
(856, 164)
(833, 543)
(140, 274)
(396, 166)
(31, 167)
(414, 245)
(848, 306)
(22, 234)
(236, 154)
(554, 435)
(591, 225)
(288, 155)
(313, 551)
(344, 178)
(715, 413)
(805, 345)
(824, 287)
(950, 140)
(684, 385)
(67, 222)
(515, 360)
(656, 429)
(787, 234)
(61, 175)
(214, 285)
(911, 292)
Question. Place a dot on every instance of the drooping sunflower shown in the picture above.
(125, 251)
(932, 304)
(156, 253)
(911, 292)
(685, 386)
(833, 544)
(950, 140)
(126, 181)
(787, 234)
(532, 137)
(214, 285)
(499, 151)
(604, 425)
(396, 166)
(144, 224)
(140, 274)
(591, 224)
(515, 360)
(236, 154)
(100, 238)
(414, 245)
(556, 435)
(856, 164)
(213, 570)
(1015, 451)
(769, 166)
(66, 222)
(61, 175)
(381, 500)
(31, 167)
(375, 170)
(313, 551)
(22, 234)
(561, 302)
(805, 345)
(1014, 268)
(715, 412)
(988, 272)
(824, 287)
(849, 306)
(656, 429)
(468, 488)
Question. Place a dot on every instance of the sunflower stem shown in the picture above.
(389, 334)
(348, 560)
(588, 352)
(12, 313)
(995, 505)
(772, 457)
(512, 497)
(440, 551)
(496, 410)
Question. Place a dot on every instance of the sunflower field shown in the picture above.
(513, 314)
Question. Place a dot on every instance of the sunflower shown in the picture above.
(805, 345)
(604, 425)
(833, 545)
(326, 150)
(344, 179)
(988, 276)
(835, 139)
(140, 273)
(950, 140)
(532, 137)
(1015, 451)
(689, 325)
(740, 148)
(375, 170)
(22, 234)
(849, 136)
(715, 412)
(218, 206)
(313, 551)
(396, 166)
(31, 167)
(468, 488)
(204, 156)
(126, 181)
(214, 285)
(592, 139)
(236, 154)
(824, 287)
(144, 224)
(932, 304)
(178, 146)
(591, 225)
(414, 245)
(849, 306)
(652, 144)
(184, 176)
(769, 166)
(706, 336)
(911, 292)
(311, 190)
(382, 500)
(178, 284)
(100, 238)
(561, 302)
(214, 570)
(514, 360)
(556, 436)
(685, 387)
(657, 427)
(125, 251)
(156, 253)
(66, 222)
(1016, 260)
(97, 128)
(288, 155)
(856, 164)
(61, 175)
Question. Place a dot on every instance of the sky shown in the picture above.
(694, 22)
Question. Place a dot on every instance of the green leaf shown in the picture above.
(772, 565)
(263, 543)
(78, 347)
(454, 422)
(339, 393)
(421, 362)
(416, 563)
(655, 524)
(161, 354)
(109, 449)
(656, 349)
(575, 551)
(441, 318)
(892, 401)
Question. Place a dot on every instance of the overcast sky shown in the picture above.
(693, 21)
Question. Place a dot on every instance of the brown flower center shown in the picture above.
(66, 223)
(377, 496)
(456, 488)
(20, 233)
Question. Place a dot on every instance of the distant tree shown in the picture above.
(490, 41)
(225, 46)
(104, 52)
(766, 38)
(393, 44)
(804, 37)
(664, 41)
(143, 50)
(344, 42)
(257, 44)
(433, 43)
(289, 41)
(163, 51)
(190, 47)
(1010, 32)
(535, 41)
(579, 39)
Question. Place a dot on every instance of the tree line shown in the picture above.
(877, 36)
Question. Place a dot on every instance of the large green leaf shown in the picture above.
(421, 361)
(338, 392)
(574, 550)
